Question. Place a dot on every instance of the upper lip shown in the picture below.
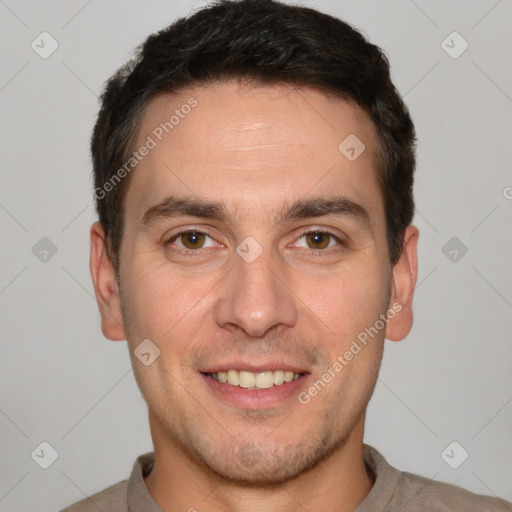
(254, 368)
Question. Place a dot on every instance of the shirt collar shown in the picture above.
(386, 481)
(138, 497)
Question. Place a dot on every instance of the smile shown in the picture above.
(251, 380)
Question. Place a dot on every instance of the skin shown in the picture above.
(255, 149)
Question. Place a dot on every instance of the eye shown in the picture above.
(319, 240)
(191, 239)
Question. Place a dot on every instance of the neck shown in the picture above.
(339, 482)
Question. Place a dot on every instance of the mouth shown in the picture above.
(258, 389)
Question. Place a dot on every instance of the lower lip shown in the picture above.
(256, 398)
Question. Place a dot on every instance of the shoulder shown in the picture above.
(416, 493)
(112, 498)
(395, 490)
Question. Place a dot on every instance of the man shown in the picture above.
(253, 179)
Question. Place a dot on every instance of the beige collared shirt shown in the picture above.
(393, 491)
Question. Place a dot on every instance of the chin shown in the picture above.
(261, 465)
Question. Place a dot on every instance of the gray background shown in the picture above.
(63, 383)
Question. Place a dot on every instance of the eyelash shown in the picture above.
(199, 252)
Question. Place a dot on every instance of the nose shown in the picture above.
(255, 297)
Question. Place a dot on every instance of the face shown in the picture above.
(252, 247)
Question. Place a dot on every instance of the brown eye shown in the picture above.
(191, 242)
(192, 239)
(318, 239)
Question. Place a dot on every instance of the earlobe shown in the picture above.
(105, 285)
(404, 276)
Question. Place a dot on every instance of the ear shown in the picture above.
(404, 276)
(105, 285)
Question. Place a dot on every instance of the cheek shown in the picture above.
(347, 300)
(163, 303)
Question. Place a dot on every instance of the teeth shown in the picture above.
(264, 380)
(250, 380)
(278, 377)
(246, 379)
(233, 378)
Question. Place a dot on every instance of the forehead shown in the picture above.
(253, 148)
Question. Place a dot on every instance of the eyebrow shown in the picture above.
(339, 206)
